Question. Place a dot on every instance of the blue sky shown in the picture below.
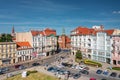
(56, 14)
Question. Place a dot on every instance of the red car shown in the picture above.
(92, 78)
(17, 66)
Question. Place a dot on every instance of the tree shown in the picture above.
(78, 55)
(6, 38)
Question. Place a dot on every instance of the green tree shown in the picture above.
(78, 55)
(6, 38)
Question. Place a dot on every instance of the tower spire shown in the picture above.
(13, 31)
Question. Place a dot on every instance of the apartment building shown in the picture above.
(101, 47)
(7, 53)
(44, 42)
(24, 52)
(95, 43)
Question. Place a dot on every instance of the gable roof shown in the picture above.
(46, 32)
(35, 32)
(49, 32)
(90, 31)
(23, 44)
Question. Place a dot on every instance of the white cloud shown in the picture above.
(116, 12)
(119, 12)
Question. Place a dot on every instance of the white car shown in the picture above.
(80, 67)
(73, 66)
(60, 66)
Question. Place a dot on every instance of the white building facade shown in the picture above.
(24, 52)
(94, 43)
(101, 47)
(44, 42)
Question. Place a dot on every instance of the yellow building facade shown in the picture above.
(7, 53)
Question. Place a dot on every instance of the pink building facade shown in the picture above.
(116, 50)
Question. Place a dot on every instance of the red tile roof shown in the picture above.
(109, 32)
(45, 32)
(35, 32)
(48, 32)
(23, 44)
(88, 31)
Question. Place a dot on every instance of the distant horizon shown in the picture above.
(35, 14)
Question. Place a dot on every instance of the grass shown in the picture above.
(33, 76)
(116, 68)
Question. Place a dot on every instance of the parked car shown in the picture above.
(67, 72)
(73, 66)
(61, 72)
(66, 64)
(22, 67)
(80, 67)
(99, 71)
(76, 76)
(50, 69)
(92, 78)
(53, 69)
(119, 76)
(1, 73)
(17, 66)
(71, 74)
(36, 64)
(113, 74)
(103, 79)
(105, 72)
(5, 69)
(84, 72)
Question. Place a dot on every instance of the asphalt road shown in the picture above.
(43, 61)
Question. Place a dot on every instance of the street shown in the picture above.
(53, 61)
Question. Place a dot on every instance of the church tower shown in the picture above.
(13, 32)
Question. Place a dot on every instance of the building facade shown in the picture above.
(101, 47)
(7, 53)
(43, 42)
(24, 52)
(116, 50)
(64, 42)
(95, 43)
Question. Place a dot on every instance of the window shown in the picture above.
(108, 54)
(118, 62)
(94, 52)
(10, 48)
(101, 53)
(6, 55)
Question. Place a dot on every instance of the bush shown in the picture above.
(116, 68)
(92, 63)
(29, 72)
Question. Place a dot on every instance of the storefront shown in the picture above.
(6, 61)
